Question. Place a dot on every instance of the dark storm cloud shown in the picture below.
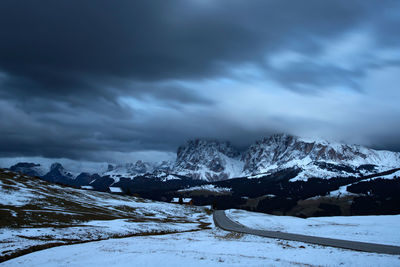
(66, 43)
(310, 77)
(78, 77)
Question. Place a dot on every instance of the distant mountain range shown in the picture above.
(281, 174)
(210, 161)
(213, 161)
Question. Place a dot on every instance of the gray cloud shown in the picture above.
(81, 79)
(63, 44)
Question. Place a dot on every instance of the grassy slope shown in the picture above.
(35, 215)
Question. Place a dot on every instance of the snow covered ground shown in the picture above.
(341, 192)
(384, 229)
(24, 238)
(139, 232)
(202, 248)
(207, 187)
(35, 213)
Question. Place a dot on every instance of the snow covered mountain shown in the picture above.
(316, 158)
(211, 160)
(208, 160)
(30, 169)
(58, 174)
(139, 168)
(214, 160)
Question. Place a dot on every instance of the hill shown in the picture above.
(35, 214)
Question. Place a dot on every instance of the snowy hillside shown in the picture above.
(203, 248)
(215, 247)
(35, 215)
(42, 217)
(208, 188)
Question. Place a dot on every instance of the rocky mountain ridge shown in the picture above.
(316, 158)
(208, 160)
(211, 160)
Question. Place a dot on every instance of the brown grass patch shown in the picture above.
(308, 207)
(231, 236)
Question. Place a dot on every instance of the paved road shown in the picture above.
(222, 221)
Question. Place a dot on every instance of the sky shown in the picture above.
(117, 81)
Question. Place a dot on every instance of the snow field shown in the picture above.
(383, 229)
(203, 248)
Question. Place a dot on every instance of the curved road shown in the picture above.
(222, 221)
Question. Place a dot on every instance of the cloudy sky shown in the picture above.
(120, 80)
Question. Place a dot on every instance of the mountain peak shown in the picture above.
(208, 160)
(213, 160)
(224, 147)
(57, 173)
(56, 167)
(28, 168)
(283, 149)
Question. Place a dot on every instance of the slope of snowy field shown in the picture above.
(342, 191)
(35, 214)
(207, 187)
(383, 229)
(125, 231)
(394, 175)
(202, 248)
